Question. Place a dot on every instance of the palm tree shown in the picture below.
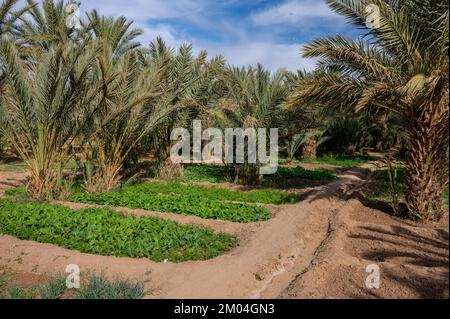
(191, 85)
(118, 33)
(9, 16)
(253, 100)
(47, 104)
(140, 103)
(47, 26)
(8, 27)
(402, 66)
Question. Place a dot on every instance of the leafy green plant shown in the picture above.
(202, 173)
(178, 204)
(265, 196)
(392, 170)
(300, 172)
(109, 233)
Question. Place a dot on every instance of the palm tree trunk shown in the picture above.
(309, 151)
(427, 160)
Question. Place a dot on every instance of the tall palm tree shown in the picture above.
(401, 65)
(46, 25)
(140, 103)
(253, 100)
(118, 33)
(8, 19)
(191, 85)
(47, 104)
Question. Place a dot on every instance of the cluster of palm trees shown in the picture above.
(400, 68)
(96, 95)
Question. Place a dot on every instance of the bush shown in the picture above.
(109, 233)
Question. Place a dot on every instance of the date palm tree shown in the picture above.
(118, 33)
(149, 90)
(402, 66)
(253, 99)
(47, 104)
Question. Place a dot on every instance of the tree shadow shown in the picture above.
(409, 257)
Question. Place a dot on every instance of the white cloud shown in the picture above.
(166, 32)
(272, 56)
(246, 49)
(293, 11)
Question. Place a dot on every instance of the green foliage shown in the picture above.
(196, 192)
(178, 204)
(397, 69)
(54, 288)
(106, 232)
(17, 192)
(340, 160)
(15, 292)
(92, 287)
(99, 287)
(300, 172)
(202, 173)
(345, 136)
(383, 188)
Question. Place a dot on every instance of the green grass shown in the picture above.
(343, 161)
(300, 172)
(54, 288)
(197, 192)
(203, 173)
(109, 233)
(382, 189)
(13, 167)
(99, 287)
(92, 286)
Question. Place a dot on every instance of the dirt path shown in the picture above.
(264, 257)
(318, 248)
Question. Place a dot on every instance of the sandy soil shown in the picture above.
(317, 248)
(413, 259)
(11, 179)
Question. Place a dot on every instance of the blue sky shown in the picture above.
(244, 31)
